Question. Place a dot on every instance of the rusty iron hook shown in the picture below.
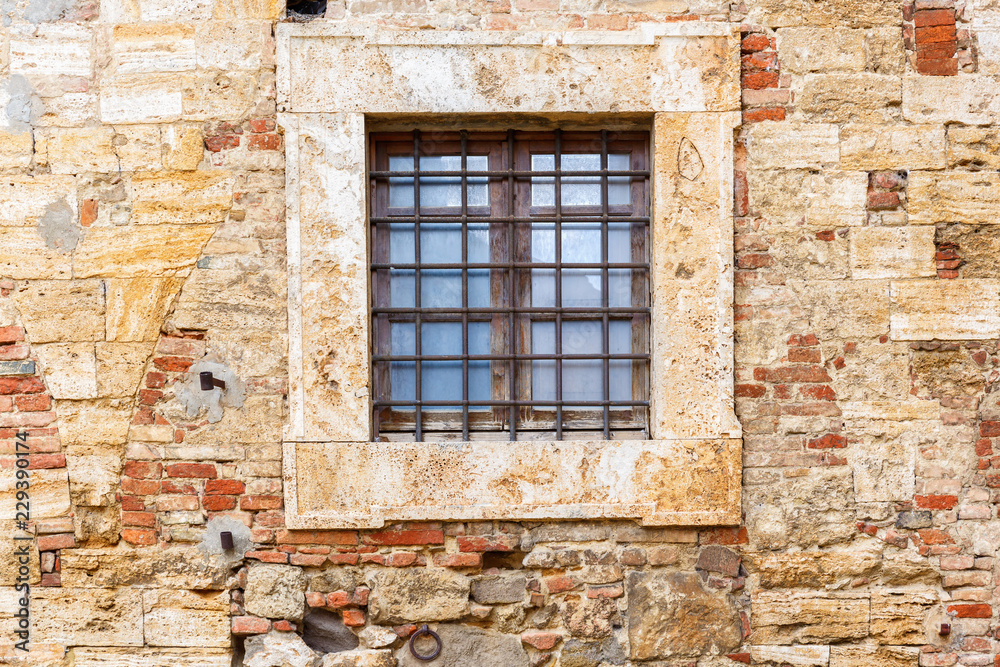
(425, 631)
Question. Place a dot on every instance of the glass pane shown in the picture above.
(403, 374)
(582, 379)
(479, 371)
(579, 190)
(439, 191)
(442, 380)
(401, 281)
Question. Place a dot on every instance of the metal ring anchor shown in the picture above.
(425, 631)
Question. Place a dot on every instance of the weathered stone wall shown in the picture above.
(142, 241)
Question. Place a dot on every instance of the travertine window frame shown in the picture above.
(333, 83)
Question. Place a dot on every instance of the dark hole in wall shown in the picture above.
(323, 631)
(503, 560)
(305, 10)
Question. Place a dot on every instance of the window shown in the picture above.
(510, 285)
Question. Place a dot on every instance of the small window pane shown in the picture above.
(579, 190)
(582, 379)
(439, 191)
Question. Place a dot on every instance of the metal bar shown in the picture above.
(384, 358)
(511, 294)
(605, 288)
(506, 309)
(465, 288)
(517, 265)
(557, 182)
(381, 175)
(502, 402)
(416, 275)
(577, 216)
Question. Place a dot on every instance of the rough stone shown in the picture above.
(360, 658)
(897, 616)
(945, 310)
(893, 252)
(464, 645)
(275, 591)
(863, 656)
(499, 589)
(787, 617)
(149, 657)
(577, 653)
(672, 615)
(122, 567)
(953, 197)
(417, 596)
(186, 618)
(324, 632)
(87, 616)
(278, 649)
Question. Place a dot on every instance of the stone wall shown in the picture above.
(142, 241)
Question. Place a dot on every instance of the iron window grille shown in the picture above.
(510, 285)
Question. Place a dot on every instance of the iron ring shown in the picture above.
(425, 631)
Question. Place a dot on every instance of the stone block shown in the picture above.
(52, 50)
(139, 148)
(975, 147)
(802, 510)
(275, 591)
(945, 310)
(807, 49)
(360, 658)
(278, 649)
(24, 254)
(845, 98)
(49, 494)
(17, 148)
(324, 632)
(184, 147)
(847, 13)
(793, 656)
(463, 645)
(893, 252)
(87, 616)
(828, 199)
(148, 48)
(881, 147)
(672, 615)
(186, 618)
(257, 421)
(136, 307)
(814, 569)
(150, 657)
(806, 617)
(971, 197)
(84, 425)
(979, 247)
(70, 369)
(23, 367)
(143, 568)
(864, 656)
(969, 100)
(77, 150)
(25, 199)
(499, 588)
(404, 595)
(215, 95)
(188, 197)
(95, 476)
(897, 616)
(12, 551)
(120, 367)
(235, 45)
(885, 51)
(786, 145)
(147, 250)
(142, 99)
(846, 310)
(61, 310)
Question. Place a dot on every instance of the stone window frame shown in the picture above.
(333, 83)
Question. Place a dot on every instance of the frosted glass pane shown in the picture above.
(579, 190)
(403, 374)
(442, 380)
(582, 379)
(441, 288)
(401, 281)
(439, 191)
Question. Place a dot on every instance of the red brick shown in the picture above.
(353, 618)
(140, 488)
(560, 583)
(314, 599)
(936, 34)
(934, 502)
(612, 591)
(155, 380)
(929, 17)
(143, 469)
(51, 579)
(338, 599)
(760, 80)
(268, 556)
(749, 391)
(248, 503)
(284, 626)
(345, 559)
(543, 641)
(802, 340)
(261, 125)
(936, 51)
(989, 429)
(934, 536)
(53, 542)
(265, 142)
(221, 142)
(11, 334)
(404, 537)
(33, 403)
(360, 596)
(171, 486)
(173, 364)
(402, 559)
(176, 346)
(218, 503)
(132, 504)
(753, 261)
(139, 536)
(250, 625)
(13, 352)
(224, 487)
(28, 385)
(804, 355)
(46, 461)
(970, 610)
(331, 537)
(203, 470)
(483, 543)
(828, 441)
(307, 560)
(176, 503)
(758, 61)
(947, 274)
(142, 519)
(883, 201)
(458, 560)
(88, 212)
(984, 447)
(149, 396)
(819, 392)
(739, 657)
(752, 43)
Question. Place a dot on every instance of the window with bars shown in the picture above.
(510, 285)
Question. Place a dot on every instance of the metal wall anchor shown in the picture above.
(208, 382)
(425, 631)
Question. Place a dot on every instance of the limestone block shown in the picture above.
(898, 616)
(874, 372)
(803, 510)
(94, 477)
(51, 50)
(970, 100)
(87, 616)
(251, 353)
(184, 147)
(807, 617)
(16, 148)
(845, 98)
(807, 256)
(977, 147)
(61, 310)
(363, 658)
(138, 147)
(38, 655)
(24, 199)
(986, 23)
(152, 567)
(808, 49)
(188, 197)
(74, 150)
(141, 99)
(136, 307)
(186, 618)
(879, 147)
(120, 367)
(972, 197)
(275, 591)
(147, 250)
(146, 48)
(84, 425)
(885, 51)
(883, 456)
(267, 10)
(893, 252)
(790, 655)
(785, 145)
(499, 588)
(69, 110)
(845, 310)
(673, 615)
(278, 649)
(864, 656)
(150, 657)
(848, 13)
(814, 569)
(980, 246)
(467, 645)
(827, 199)
(403, 595)
(945, 310)
(258, 420)
(70, 369)
(12, 552)
(951, 373)
(220, 95)
(235, 45)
